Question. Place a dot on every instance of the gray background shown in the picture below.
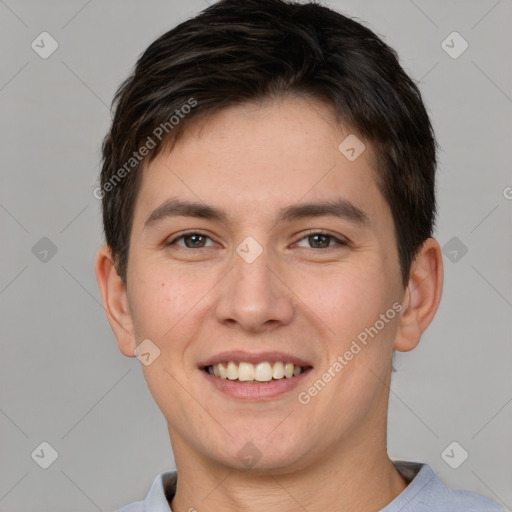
(62, 378)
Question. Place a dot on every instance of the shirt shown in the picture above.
(424, 493)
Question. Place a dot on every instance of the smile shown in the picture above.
(252, 373)
(251, 376)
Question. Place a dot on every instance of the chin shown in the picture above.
(257, 455)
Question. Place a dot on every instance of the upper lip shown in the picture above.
(254, 358)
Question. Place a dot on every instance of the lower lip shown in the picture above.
(255, 392)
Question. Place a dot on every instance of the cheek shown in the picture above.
(160, 300)
(347, 298)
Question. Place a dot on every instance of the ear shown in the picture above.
(422, 295)
(115, 301)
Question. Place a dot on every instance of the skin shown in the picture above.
(297, 297)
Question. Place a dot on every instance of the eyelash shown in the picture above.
(308, 234)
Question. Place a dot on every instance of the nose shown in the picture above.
(254, 296)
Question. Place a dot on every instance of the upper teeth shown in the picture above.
(262, 372)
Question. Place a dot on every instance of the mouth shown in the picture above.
(254, 377)
(248, 373)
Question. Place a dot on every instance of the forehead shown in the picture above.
(254, 159)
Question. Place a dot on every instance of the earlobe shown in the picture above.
(115, 301)
(422, 296)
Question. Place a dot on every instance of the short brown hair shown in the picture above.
(239, 51)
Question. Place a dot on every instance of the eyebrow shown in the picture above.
(340, 208)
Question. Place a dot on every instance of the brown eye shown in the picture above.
(320, 241)
(192, 241)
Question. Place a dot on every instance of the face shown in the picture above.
(257, 241)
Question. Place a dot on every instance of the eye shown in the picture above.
(192, 240)
(320, 240)
(315, 240)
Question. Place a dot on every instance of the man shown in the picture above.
(268, 201)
